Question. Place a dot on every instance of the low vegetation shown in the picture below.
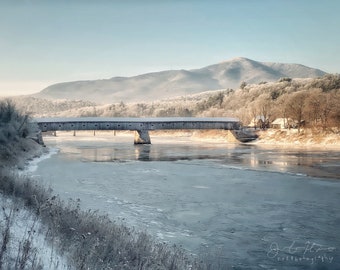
(86, 239)
(15, 129)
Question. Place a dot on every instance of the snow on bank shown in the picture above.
(306, 138)
(26, 230)
(33, 164)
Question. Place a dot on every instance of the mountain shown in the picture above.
(166, 84)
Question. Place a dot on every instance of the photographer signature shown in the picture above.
(310, 251)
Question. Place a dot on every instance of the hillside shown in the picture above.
(167, 84)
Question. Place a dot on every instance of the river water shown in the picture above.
(243, 206)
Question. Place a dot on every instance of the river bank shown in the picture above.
(17, 155)
(306, 138)
(289, 138)
(25, 243)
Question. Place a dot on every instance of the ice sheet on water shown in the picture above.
(33, 165)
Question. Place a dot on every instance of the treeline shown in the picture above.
(43, 107)
(312, 102)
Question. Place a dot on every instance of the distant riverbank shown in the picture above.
(273, 137)
(306, 138)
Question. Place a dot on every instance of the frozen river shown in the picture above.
(247, 206)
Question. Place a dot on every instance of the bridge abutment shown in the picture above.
(142, 137)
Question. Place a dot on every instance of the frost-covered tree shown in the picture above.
(295, 107)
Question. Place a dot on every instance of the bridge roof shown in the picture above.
(138, 120)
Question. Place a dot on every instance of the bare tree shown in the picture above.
(254, 113)
(321, 107)
(295, 106)
(265, 108)
(313, 105)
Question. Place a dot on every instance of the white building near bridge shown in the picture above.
(283, 123)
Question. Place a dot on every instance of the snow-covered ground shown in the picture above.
(25, 228)
(306, 138)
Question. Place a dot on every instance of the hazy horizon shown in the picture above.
(46, 42)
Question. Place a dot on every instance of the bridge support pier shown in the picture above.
(142, 137)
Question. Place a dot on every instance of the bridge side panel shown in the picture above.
(151, 125)
(192, 125)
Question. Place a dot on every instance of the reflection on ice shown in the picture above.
(306, 162)
(142, 152)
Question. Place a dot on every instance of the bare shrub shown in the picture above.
(15, 127)
(5, 234)
(92, 241)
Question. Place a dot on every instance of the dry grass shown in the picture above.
(17, 249)
(307, 137)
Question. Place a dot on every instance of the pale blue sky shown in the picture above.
(49, 41)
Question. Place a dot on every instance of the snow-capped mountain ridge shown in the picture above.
(171, 83)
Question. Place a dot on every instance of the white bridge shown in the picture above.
(140, 125)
